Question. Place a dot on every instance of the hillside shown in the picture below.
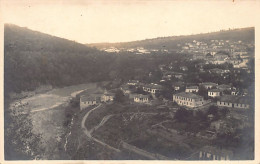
(32, 59)
(170, 43)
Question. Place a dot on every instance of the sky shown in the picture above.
(120, 21)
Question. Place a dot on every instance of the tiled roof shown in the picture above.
(153, 86)
(192, 87)
(235, 99)
(188, 95)
(88, 98)
(141, 96)
(215, 90)
(224, 86)
(208, 83)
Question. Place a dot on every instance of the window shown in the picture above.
(224, 103)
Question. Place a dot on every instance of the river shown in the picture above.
(47, 115)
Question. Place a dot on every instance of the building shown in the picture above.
(233, 101)
(133, 82)
(212, 153)
(214, 93)
(192, 89)
(208, 85)
(224, 87)
(152, 88)
(107, 97)
(188, 99)
(139, 98)
(86, 101)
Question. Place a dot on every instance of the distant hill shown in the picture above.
(32, 58)
(170, 43)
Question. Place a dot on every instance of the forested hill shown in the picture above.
(32, 59)
(170, 43)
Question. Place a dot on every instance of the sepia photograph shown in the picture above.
(129, 80)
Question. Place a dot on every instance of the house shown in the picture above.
(152, 88)
(208, 85)
(212, 153)
(107, 97)
(224, 87)
(86, 101)
(214, 93)
(233, 101)
(192, 89)
(133, 82)
(188, 99)
(140, 98)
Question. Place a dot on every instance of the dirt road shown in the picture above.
(88, 132)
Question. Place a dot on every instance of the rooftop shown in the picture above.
(85, 98)
(141, 96)
(153, 86)
(208, 83)
(224, 86)
(235, 99)
(215, 90)
(192, 87)
(188, 95)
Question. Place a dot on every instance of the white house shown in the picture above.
(208, 85)
(232, 101)
(214, 93)
(133, 82)
(152, 88)
(192, 89)
(86, 101)
(107, 97)
(188, 99)
(139, 98)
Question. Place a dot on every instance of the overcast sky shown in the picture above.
(100, 21)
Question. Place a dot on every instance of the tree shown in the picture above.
(203, 92)
(119, 96)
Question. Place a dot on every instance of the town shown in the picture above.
(194, 108)
(170, 98)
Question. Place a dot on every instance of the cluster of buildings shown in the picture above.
(149, 91)
(94, 99)
(191, 99)
(137, 50)
(219, 51)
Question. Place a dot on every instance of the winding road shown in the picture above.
(88, 133)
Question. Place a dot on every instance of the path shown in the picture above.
(88, 133)
(104, 120)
